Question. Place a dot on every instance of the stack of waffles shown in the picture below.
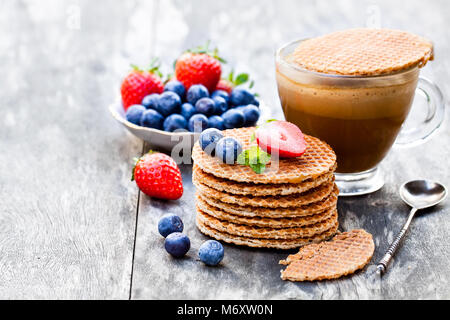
(291, 204)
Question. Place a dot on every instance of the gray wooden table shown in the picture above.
(72, 225)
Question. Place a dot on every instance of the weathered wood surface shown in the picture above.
(67, 217)
(68, 225)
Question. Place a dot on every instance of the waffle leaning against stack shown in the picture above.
(289, 205)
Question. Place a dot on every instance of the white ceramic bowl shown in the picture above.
(158, 139)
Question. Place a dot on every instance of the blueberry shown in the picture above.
(175, 122)
(177, 87)
(177, 244)
(220, 105)
(228, 149)
(198, 123)
(187, 110)
(170, 223)
(134, 113)
(255, 102)
(151, 101)
(211, 252)
(152, 119)
(195, 93)
(240, 96)
(216, 122)
(233, 118)
(208, 140)
(168, 103)
(222, 94)
(251, 113)
(205, 106)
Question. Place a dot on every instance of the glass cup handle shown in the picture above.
(426, 115)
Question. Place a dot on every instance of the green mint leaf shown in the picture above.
(258, 168)
(255, 158)
(243, 159)
(252, 83)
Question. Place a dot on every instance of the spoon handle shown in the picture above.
(383, 264)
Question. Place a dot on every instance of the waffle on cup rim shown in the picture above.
(363, 52)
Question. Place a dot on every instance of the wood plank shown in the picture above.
(248, 34)
(68, 207)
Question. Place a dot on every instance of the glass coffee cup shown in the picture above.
(359, 116)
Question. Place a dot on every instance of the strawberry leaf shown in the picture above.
(241, 78)
(136, 160)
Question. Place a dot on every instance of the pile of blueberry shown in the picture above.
(195, 110)
(178, 244)
(214, 143)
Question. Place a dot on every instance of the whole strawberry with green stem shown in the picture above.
(140, 83)
(158, 176)
(199, 66)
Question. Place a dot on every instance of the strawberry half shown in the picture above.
(158, 176)
(199, 66)
(282, 138)
(138, 84)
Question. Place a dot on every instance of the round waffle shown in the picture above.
(277, 223)
(367, 52)
(263, 243)
(318, 160)
(343, 255)
(221, 184)
(248, 211)
(267, 233)
(293, 200)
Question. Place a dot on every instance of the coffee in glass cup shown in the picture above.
(354, 89)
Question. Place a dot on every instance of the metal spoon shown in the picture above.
(418, 194)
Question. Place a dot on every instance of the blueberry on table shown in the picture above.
(175, 122)
(208, 140)
(216, 122)
(233, 118)
(151, 101)
(152, 119)
(177, 244)
(220, 105)
(205, 106)
(221, 93)
(134, 113)
(211, 252)
(170, 223)
(228, 149)
(240, 97)
(195, 93)
(177, 87)
(198, 123)
(168, 103)
(251, 113)
(187, 110)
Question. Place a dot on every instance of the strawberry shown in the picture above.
(225, 85)
(282, 138)
(231, 82)
(157, 175)
(199, 66)
(138, 84)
